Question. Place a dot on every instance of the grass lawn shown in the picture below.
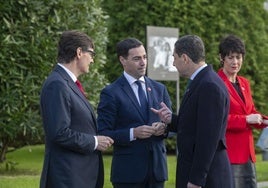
(25, 164)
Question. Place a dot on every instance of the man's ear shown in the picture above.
(185, 58)
(79, 52)
(122, 60)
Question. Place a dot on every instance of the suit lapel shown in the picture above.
(244, 93)
(76, 90)
(194, 84)
(233, 93)
(149, 91)
(82, 97)
(188, 93)
(128, 90)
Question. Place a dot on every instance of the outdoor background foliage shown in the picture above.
(30, 30)
(211, 20)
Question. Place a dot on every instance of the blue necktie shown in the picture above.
(143, 100)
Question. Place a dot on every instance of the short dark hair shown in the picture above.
(192, 46)
(125, 45)
(231, 44)
(68, 44)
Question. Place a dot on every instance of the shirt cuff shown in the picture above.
(131, 135)
(96, 142)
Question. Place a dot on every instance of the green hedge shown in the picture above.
(30, 30)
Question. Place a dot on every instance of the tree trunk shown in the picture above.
(3, 151)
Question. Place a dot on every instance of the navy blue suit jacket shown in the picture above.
(70, 125)
(201, 126)
(118, 111)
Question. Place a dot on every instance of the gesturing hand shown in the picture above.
(164, 113)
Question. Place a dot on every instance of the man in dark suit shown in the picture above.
(201, 122)
(139, 155)
(72, 153)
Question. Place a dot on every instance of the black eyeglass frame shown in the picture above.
(92, 53)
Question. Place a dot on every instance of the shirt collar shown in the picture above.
(197, 71)
(131, 79)
(68, 72)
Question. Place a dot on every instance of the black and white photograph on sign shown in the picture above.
(162, 53)
(160, 46)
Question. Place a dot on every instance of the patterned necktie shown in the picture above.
(143, 100)
(79, 85)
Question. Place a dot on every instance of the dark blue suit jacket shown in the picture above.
(118, 111)
(201, 126)
(70, 125)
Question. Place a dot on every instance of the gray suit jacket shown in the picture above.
(70, 125)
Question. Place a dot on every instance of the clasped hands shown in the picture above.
(256, 119)
(146, 131)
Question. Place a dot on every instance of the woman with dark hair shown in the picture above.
(243, 116)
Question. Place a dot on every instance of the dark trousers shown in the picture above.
(149, 181)
(245, 175)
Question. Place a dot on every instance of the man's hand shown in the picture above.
(144, 131)
(164, 113)
(104, 142)
(160, 128)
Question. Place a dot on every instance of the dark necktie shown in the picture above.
(79, 85)
(188, 85)
(143, 100)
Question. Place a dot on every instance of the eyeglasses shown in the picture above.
(92, 53)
